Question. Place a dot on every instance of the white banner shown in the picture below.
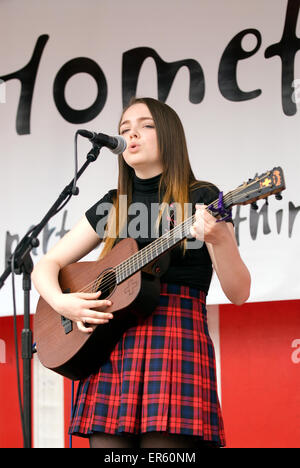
(231, 71)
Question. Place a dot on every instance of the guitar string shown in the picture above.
(110, 277)
(130, 262)
(143, 254)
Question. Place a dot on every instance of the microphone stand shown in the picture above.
(21, 263)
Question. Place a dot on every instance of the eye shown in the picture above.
(124, 131)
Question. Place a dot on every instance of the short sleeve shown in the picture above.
(97, 215)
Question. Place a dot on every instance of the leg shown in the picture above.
(165, 440)
(102, 440)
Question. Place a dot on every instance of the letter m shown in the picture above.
(132, 62)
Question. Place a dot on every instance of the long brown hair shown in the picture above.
(177, 177)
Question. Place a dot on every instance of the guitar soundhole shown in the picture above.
(106, 283)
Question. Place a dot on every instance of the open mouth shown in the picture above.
(134, 146)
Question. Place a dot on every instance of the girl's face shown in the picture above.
(142, 153)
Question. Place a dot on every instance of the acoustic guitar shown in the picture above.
(131, 279)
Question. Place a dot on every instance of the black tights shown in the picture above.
(148, 440)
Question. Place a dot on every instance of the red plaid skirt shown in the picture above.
(161, 376)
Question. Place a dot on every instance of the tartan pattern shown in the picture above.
(161, 376)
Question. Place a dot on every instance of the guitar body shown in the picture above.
(61, 347)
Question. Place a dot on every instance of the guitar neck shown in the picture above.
(271, 182)
(156, 248)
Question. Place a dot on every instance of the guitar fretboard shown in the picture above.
(152, 251)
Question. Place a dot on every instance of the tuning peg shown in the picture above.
(254, 206)
(278, 196)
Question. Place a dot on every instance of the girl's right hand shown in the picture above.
(78, 307)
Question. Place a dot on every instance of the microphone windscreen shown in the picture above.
(121, 145)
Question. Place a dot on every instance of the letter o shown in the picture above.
(71, 68)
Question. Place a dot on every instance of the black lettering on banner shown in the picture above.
(27, 77)
(11, 239)
(286, 49)
(227, 76)
(254, 217)
(252, 220)
(237, 221)
(279, 216)
(63, 229)
(293, 211)
(67, 71)
(133, 60)
(47, 233)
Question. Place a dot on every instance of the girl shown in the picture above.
(158, 387)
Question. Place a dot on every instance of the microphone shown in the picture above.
(116, 144)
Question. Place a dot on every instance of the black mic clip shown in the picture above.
(94, 152)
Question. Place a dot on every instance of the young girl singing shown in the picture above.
(158, 387)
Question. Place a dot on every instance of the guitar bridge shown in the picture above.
(67, 324)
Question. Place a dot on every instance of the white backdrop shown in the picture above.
(228, 141)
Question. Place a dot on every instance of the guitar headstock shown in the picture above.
(261, 186)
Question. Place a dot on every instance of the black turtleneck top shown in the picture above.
(192, 268)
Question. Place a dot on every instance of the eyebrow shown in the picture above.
(139, 119)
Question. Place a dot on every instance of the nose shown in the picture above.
(133, 133)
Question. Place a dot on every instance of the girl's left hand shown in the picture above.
(206, 228)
